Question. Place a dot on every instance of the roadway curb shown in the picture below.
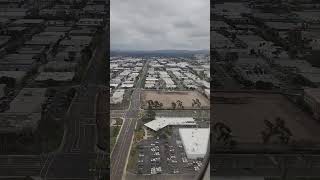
(117, 136)
(125, 169)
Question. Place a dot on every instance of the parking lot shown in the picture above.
(165, 156)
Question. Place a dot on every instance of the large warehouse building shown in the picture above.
(195, 141)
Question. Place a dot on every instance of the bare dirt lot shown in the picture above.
(245, 113)
(167, 97)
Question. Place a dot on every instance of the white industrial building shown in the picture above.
(162, 122)
(150, 82)
(149, 85)
(117, 96)
(207, 92)
(169, 82)
(177, 74)
(195, 141)
(127, 84)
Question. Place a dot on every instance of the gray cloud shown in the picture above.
(183, 24)
(160, 24)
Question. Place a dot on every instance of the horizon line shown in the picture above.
(160, 50)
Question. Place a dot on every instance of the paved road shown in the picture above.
(117, 113)
(122, 147)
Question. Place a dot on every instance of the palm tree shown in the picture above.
(179, 103)
(174, 105)
(150, 103)
(156, 104)
(199, 104)
(196, 102)
(193, 102)
(160, 105)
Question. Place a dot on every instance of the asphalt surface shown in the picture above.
(165, 153)
(162, 177)
(122, 147)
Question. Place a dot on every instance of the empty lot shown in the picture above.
(245, 113)
(167, 97)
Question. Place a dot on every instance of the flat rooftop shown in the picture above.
(195, 141)
(162, 122)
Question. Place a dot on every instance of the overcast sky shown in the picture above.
(160, 24)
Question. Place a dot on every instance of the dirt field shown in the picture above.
(245, 113)
(173, 96)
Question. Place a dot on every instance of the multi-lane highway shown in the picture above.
(121, 149)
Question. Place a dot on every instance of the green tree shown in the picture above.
(174, 105)
(149, 115)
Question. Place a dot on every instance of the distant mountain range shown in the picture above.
(171, 53)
